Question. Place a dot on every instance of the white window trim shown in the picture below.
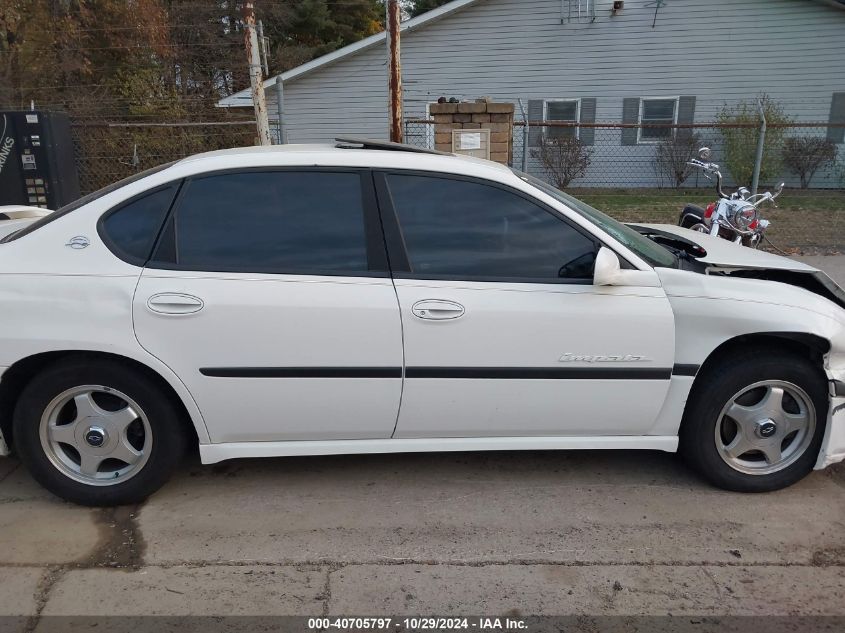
(652, 141)
(577, 121)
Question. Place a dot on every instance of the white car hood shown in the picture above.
(724, 254)
(726, 258)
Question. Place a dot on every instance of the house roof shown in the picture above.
(244, 97)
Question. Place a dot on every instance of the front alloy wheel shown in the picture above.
(755, 420)
(765, 427)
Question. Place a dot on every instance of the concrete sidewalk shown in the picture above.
(595, 533)
(833, 265)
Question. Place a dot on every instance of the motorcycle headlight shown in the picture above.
(743, 217)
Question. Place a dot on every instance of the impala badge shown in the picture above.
(78, 242)
(569, 357)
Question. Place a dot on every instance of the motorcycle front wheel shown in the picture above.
(752, 241)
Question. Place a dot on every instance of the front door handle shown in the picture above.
(174, 303)
(437, 310)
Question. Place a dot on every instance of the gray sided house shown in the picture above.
(664, 61)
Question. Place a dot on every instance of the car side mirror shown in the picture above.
(608, 271)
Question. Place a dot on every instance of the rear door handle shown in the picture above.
(174, 303)
(437, 310)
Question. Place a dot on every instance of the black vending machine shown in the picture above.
(37, 166)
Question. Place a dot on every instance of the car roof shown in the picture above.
(340, 156)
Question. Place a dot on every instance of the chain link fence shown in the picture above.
(639, 173)
(108, 152)
(636, 173)
(601, 155)
(656, 156)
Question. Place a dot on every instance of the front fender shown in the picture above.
(711, 310)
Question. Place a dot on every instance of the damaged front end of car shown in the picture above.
(717, 258)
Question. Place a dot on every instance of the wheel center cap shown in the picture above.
(96, 436)
(766, 428)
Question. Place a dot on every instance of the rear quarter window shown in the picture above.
(130, 230)
(76, 204)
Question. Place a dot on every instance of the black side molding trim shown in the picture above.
(685, 370)
(302, 372)
(472, 373)
(838, 388)
(539, 373)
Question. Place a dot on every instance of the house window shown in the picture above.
(565, 111)
(657, 111)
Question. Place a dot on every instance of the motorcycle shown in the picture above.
(734, 217)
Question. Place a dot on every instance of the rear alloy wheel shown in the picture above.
(755, 421)
(96, 435)
(98, 432)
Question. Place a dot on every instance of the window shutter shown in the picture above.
(686, 115)
(588, 115)
(837, 115)
(630, 114)
(535, 115)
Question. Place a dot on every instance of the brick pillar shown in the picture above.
(474, 115)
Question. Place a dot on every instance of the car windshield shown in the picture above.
(651, 252)
(73, 206)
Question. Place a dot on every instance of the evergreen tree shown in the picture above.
(416, 7)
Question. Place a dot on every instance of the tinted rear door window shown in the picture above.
(275, 222)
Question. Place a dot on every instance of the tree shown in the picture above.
(804, 155)
(301, 30)
(564, 158)
(417, 7)
(741, 142)
(673, 154)
(166, 59)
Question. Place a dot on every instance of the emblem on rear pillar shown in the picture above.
(569, 357)
(78, 242)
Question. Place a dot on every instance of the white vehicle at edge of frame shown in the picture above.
(369, 298)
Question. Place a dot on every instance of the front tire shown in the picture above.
(755, 421)
(98, 433)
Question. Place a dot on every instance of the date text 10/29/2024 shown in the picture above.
(416, 623)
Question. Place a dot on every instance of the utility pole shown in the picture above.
(255, 76)
(262, 41)
(394, 76)
(280, 110)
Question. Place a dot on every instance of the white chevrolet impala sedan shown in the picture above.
(372, 298)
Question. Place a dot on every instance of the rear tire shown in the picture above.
(755, 421)
(98, 433)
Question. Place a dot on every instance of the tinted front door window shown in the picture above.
(275, 222)
(466, 229)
